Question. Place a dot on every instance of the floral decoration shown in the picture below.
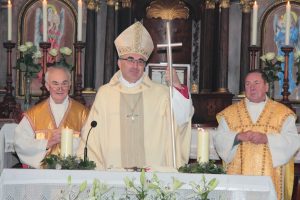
(272, 66)
(64, 52)
(28, 62)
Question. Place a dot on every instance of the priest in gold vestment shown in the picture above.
(38, 133)
(134, 124)
(258, 136)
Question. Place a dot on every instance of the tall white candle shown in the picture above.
(203, 146)
(45, 21)
(254, 24)
(79, 25)
(288, 23)
(66, 145)
(9, 20)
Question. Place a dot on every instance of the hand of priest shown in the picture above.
(258, 138)
(243, 136)
(176, 81)
(55, 139)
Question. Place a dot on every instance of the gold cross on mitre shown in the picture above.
(169, 46)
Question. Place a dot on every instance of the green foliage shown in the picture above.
(203, 189)
(140, 191)
(29, 60)
(70, 162)
(272, 66)
(202, 168)
(164, 192)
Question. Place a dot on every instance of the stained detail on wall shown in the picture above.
(167, 9)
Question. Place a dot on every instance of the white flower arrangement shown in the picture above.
(28, 62)
(152, 189)
(64, 52)
(272, 66)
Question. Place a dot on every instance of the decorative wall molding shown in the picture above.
(167, 9)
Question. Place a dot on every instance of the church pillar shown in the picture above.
(90, 54)
(222, 67)
(109, 42)
(124, 15)
(207, 55)
(245, 42)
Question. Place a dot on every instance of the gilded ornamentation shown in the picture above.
(93, 4)
(246, 5)
(210, 4)
(167, 9)
(224, 3)
(126, 3)
(110, 2)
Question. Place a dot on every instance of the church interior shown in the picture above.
(220, 42)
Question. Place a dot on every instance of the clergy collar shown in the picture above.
(66, 101)
(253, 103)
(127, 84)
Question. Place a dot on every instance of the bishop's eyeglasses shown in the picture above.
(133, 61)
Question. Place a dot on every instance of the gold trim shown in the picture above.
(93, 5)
(246, 5)
(110, 2)
(89, 91)
(222, 90)
(167, 10)
(210, 4)
(126, 3)
(224, 3)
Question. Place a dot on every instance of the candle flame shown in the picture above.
(9, 3)
(255, 4)
(288, 3)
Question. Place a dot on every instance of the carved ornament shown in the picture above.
(167, 9)
(246, 5)
(126, 3)
(224, 3)
(210, 4)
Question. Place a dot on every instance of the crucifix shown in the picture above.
(169, 46)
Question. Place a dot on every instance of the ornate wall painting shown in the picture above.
(61, 32)
(273, 38)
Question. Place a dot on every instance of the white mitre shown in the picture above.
(135, 39)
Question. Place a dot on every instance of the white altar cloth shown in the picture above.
(33, 184)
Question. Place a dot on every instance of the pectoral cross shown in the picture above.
(132, 116)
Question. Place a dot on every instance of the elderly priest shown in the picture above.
(134, 123)
(39, 132)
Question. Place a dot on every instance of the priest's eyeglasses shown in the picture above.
(133, 61)
(56, 86)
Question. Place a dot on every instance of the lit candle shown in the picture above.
(9, 20)
(254, 24)
(66, 145)
(203, 146)
(45, 21)
(79, 25)
(288, 23)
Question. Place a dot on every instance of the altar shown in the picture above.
(21, 184)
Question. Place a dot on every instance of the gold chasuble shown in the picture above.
(256, 159)
(134, 128)
(42, 121)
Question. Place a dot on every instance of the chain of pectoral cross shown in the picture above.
(133, 115)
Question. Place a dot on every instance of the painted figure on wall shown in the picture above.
(56, 24)
(279, 38)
